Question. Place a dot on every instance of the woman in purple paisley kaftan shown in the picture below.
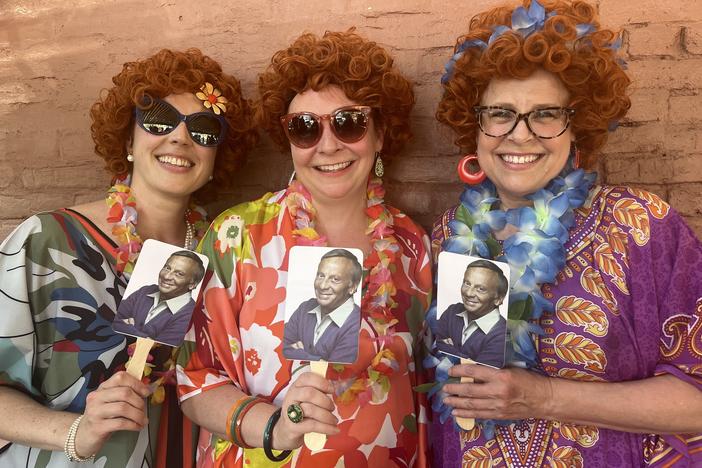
(628, 305)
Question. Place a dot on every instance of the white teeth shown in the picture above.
(514, 159)
(173, 161)
(334, 167)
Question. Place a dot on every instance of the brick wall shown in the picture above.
(55, 57)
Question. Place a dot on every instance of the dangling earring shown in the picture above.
(292, 177)
(130, 158)
(465, 173)
(379, 169)
(576, 157)
(210, 177)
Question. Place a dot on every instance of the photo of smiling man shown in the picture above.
(326, 327)
(162, 311)
(474, 328)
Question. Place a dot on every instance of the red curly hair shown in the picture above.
(361, 68)
(171, 72)
(587, 66)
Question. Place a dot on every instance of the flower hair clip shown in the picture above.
(212, 98)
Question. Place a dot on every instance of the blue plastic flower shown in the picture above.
(525, 22)
(478, 202)
(616, 44)
(480, 196)
(497, 31)
(521, 332)
(436, 394)
(448, 68)
(584, 28)
(466, 241)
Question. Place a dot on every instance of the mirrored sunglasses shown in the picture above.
(349, 124)
(161, 118)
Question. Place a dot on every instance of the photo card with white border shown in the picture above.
(471, 308)
(316, 287)
(161, 270)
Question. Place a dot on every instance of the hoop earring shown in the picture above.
(464, 172)
(379, 168)
(292, 177)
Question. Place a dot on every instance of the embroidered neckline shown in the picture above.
(122, 214)
(378, 301)
(535, 254)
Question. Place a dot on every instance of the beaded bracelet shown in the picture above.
(69, 447)
(267, 435)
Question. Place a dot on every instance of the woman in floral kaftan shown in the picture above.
(63, 273)
(606, 297)
(340, 102)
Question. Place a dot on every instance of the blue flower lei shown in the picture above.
(535, 254)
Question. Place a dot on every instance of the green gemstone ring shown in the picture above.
(295, 413)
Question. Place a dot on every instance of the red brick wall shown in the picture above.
(55, 57)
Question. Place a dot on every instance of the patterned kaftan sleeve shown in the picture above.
(653, 264)
(17, 340)
(57, 293)
(677, 261)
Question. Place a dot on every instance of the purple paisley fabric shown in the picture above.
(628, 305)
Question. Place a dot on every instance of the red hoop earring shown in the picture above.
(465, 173)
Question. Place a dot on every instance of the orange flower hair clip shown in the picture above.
(212, 98)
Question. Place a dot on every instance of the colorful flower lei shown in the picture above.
(122, 214)
(535, 254)
(378, 301)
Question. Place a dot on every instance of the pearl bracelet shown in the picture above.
(69, 447)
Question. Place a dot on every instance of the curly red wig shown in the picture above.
(171, 72)
(587, 66)
(361, 68)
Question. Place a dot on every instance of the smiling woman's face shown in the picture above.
(520, 163)
(172, 164)
(333, 170)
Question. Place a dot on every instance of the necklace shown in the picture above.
(378, 301)
(189, 231)
(122, 214)
(535, 254)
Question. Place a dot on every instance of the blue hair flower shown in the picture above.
(526, 22)
(448, 68)
(583, 29)
(497, 31)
